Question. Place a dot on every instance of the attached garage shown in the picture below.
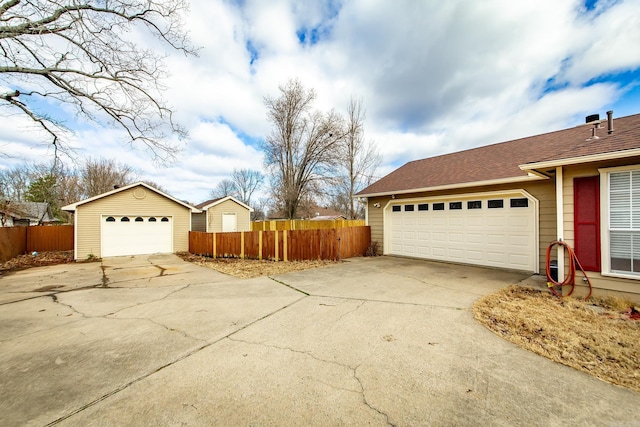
(132, 220)
(497, 229)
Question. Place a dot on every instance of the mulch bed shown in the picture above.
(37, 259)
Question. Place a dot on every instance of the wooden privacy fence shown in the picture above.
(16, 241)
(305, 224)
(286, 245)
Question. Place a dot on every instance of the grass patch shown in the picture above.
(599, 336)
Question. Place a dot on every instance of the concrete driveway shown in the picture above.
(371, 341)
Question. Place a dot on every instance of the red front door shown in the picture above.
(586, 220)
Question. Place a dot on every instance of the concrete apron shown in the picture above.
(369, 341)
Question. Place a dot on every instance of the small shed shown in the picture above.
(225, 214)
(132, 220)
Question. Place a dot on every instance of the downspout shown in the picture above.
(560, 220)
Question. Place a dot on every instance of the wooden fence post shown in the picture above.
(214, 246)
(242, 245)
(285, 256)
(260, 245)
(276, 237)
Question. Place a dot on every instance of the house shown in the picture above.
(503, 204)
(131, 220)
(312, 212)
(224, 214)
(25, 214)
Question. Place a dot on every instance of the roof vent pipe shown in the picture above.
(610, 121)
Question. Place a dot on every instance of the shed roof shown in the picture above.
(73, 206)
(213, 202)
(511, 161)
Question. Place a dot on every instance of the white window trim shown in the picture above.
(605, 258)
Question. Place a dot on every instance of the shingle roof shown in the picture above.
(502, 161)
(207, 202)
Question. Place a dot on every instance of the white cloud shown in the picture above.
(435, 77)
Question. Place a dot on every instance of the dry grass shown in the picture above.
(249, 268)
(599, 336)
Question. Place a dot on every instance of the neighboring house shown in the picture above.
(313, 212)
(502, 205)
(131, 220)
(25, 214)
(225, 214)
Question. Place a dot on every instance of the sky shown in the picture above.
(434, 77)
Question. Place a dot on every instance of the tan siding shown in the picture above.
(544, 191)
(124, 203)
(214, 216)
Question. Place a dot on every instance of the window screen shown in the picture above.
(455, 206)
(624, 221)
(438, 206)
(423, 207)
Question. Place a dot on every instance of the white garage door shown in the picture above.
(497, 231)
(136, 235)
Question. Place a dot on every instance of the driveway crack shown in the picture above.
(352, 369)
(364, 397)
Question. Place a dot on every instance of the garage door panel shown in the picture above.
(500, 237)
(133, 237)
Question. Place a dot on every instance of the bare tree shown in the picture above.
(101, 175)
(246, 182)
(225, 188)
(358, 161)
(14, 182)
(82, 54)
(301, 149)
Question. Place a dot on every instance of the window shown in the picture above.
(152, 219)
(438, 206)
(454, 206)
(396, 208)
(124, 219)
(423, 207)
(474, 204)
(164, 219)
(624, 221)
(111, 219)
(139, 219)
(520, 203)
(409, 208)
(495, 204)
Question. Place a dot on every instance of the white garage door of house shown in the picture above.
(496, 230)
(136, 235)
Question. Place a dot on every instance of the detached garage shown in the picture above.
(132, 220)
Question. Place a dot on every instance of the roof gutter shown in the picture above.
(529, 167)
(532, 176)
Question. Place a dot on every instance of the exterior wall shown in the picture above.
(199, 221)
(214, 216)
(603, 285)
(147, 203)
(543, 190)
